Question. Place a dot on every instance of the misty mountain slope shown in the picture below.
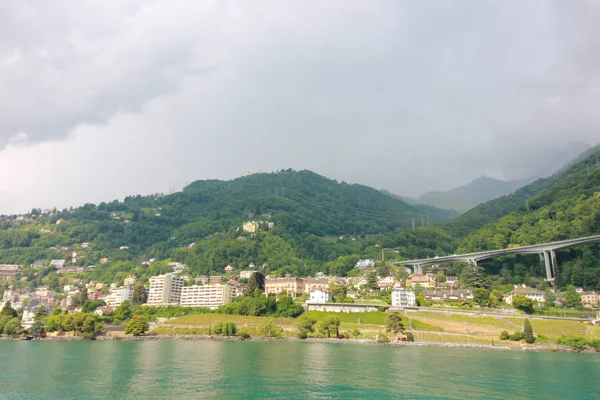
(567, 207)
(468, 196)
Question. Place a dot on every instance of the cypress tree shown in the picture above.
(528, 332)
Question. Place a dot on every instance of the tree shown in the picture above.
(139, 294)
(440, 277)
(473, 276)
(306, 323)
(12, 327)
(3, 321)
(572, 298)
(410, 337)
(256, 285)
(372, 280)
(122, 313)
(338, 292)
(8, 311)
(287, 308)
(481, 296)
(393, 323)
(138, 325)
(528, 332)
(504, 335)
(330, 325)
(268, 329)
(37, 329)
(40, 313)
(522, 303)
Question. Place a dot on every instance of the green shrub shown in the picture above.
(268, 329)
(302, 335)
(383, 339)
(577, 343)
(382, 308)
(528, 332)
(516, 336)
(410, 337)
(504, 335)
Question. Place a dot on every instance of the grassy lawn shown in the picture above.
(369, 319)
(555, 328)
(469, 319)
(240, 320)
(439, 337)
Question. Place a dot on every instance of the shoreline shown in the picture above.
(545, 348)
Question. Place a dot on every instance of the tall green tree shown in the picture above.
(528, 332)
(523, 303)
(481, 296)
(139, 294)
(256, 284)
(393, 323)
(8, 311)
(137, 325)
(572, 298)
(473, 276)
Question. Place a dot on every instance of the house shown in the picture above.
(421, 280)
(363, 264)
(311, 284)
(85, 245)
(38, 264)
(386, 283)
(228, 268)
(589, 299)
(246, 274)
(10, 268)
(70, 270)
(536, 295)
(104, 310)
(292, 286)
(319, 296)
(124, 248)
(403, 297)
(444, 295)
(216, 279)
(250, 226)
(203, 279)
(57, 263)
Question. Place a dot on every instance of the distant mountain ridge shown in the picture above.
(467, 196)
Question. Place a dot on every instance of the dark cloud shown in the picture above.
(410, 96)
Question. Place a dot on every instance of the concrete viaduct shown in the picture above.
(546, 251)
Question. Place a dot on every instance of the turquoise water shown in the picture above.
(258, 370)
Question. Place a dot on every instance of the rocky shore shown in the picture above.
(502, 346)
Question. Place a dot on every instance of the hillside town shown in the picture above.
(340, 294)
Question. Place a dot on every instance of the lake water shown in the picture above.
(258, 370)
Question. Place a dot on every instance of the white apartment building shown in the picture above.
(119, 295)
(246, 274)
(165, 289)
(319, 296)
(403, 297)
(211, 296)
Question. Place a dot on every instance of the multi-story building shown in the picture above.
(311, 284)
(246, 274)
(319, 296)
(589, 299)
(403, 297)
(290, 285)
(444, 295)
(203, 279)
(119, 295)
(421, 280)
(210, 296)
(532, 293)
(164, 289)
(216, 279)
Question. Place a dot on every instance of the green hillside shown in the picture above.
(309, 214)
(567, 207)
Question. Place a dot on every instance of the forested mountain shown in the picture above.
(308, 212)
(467, 196)
(565, 206)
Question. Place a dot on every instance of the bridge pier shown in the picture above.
(550, 263)
(473, 261)
(418, 269)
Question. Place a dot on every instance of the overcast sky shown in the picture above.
(101, 99)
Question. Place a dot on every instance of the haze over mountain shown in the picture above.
(405, 95)
(485, 188)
